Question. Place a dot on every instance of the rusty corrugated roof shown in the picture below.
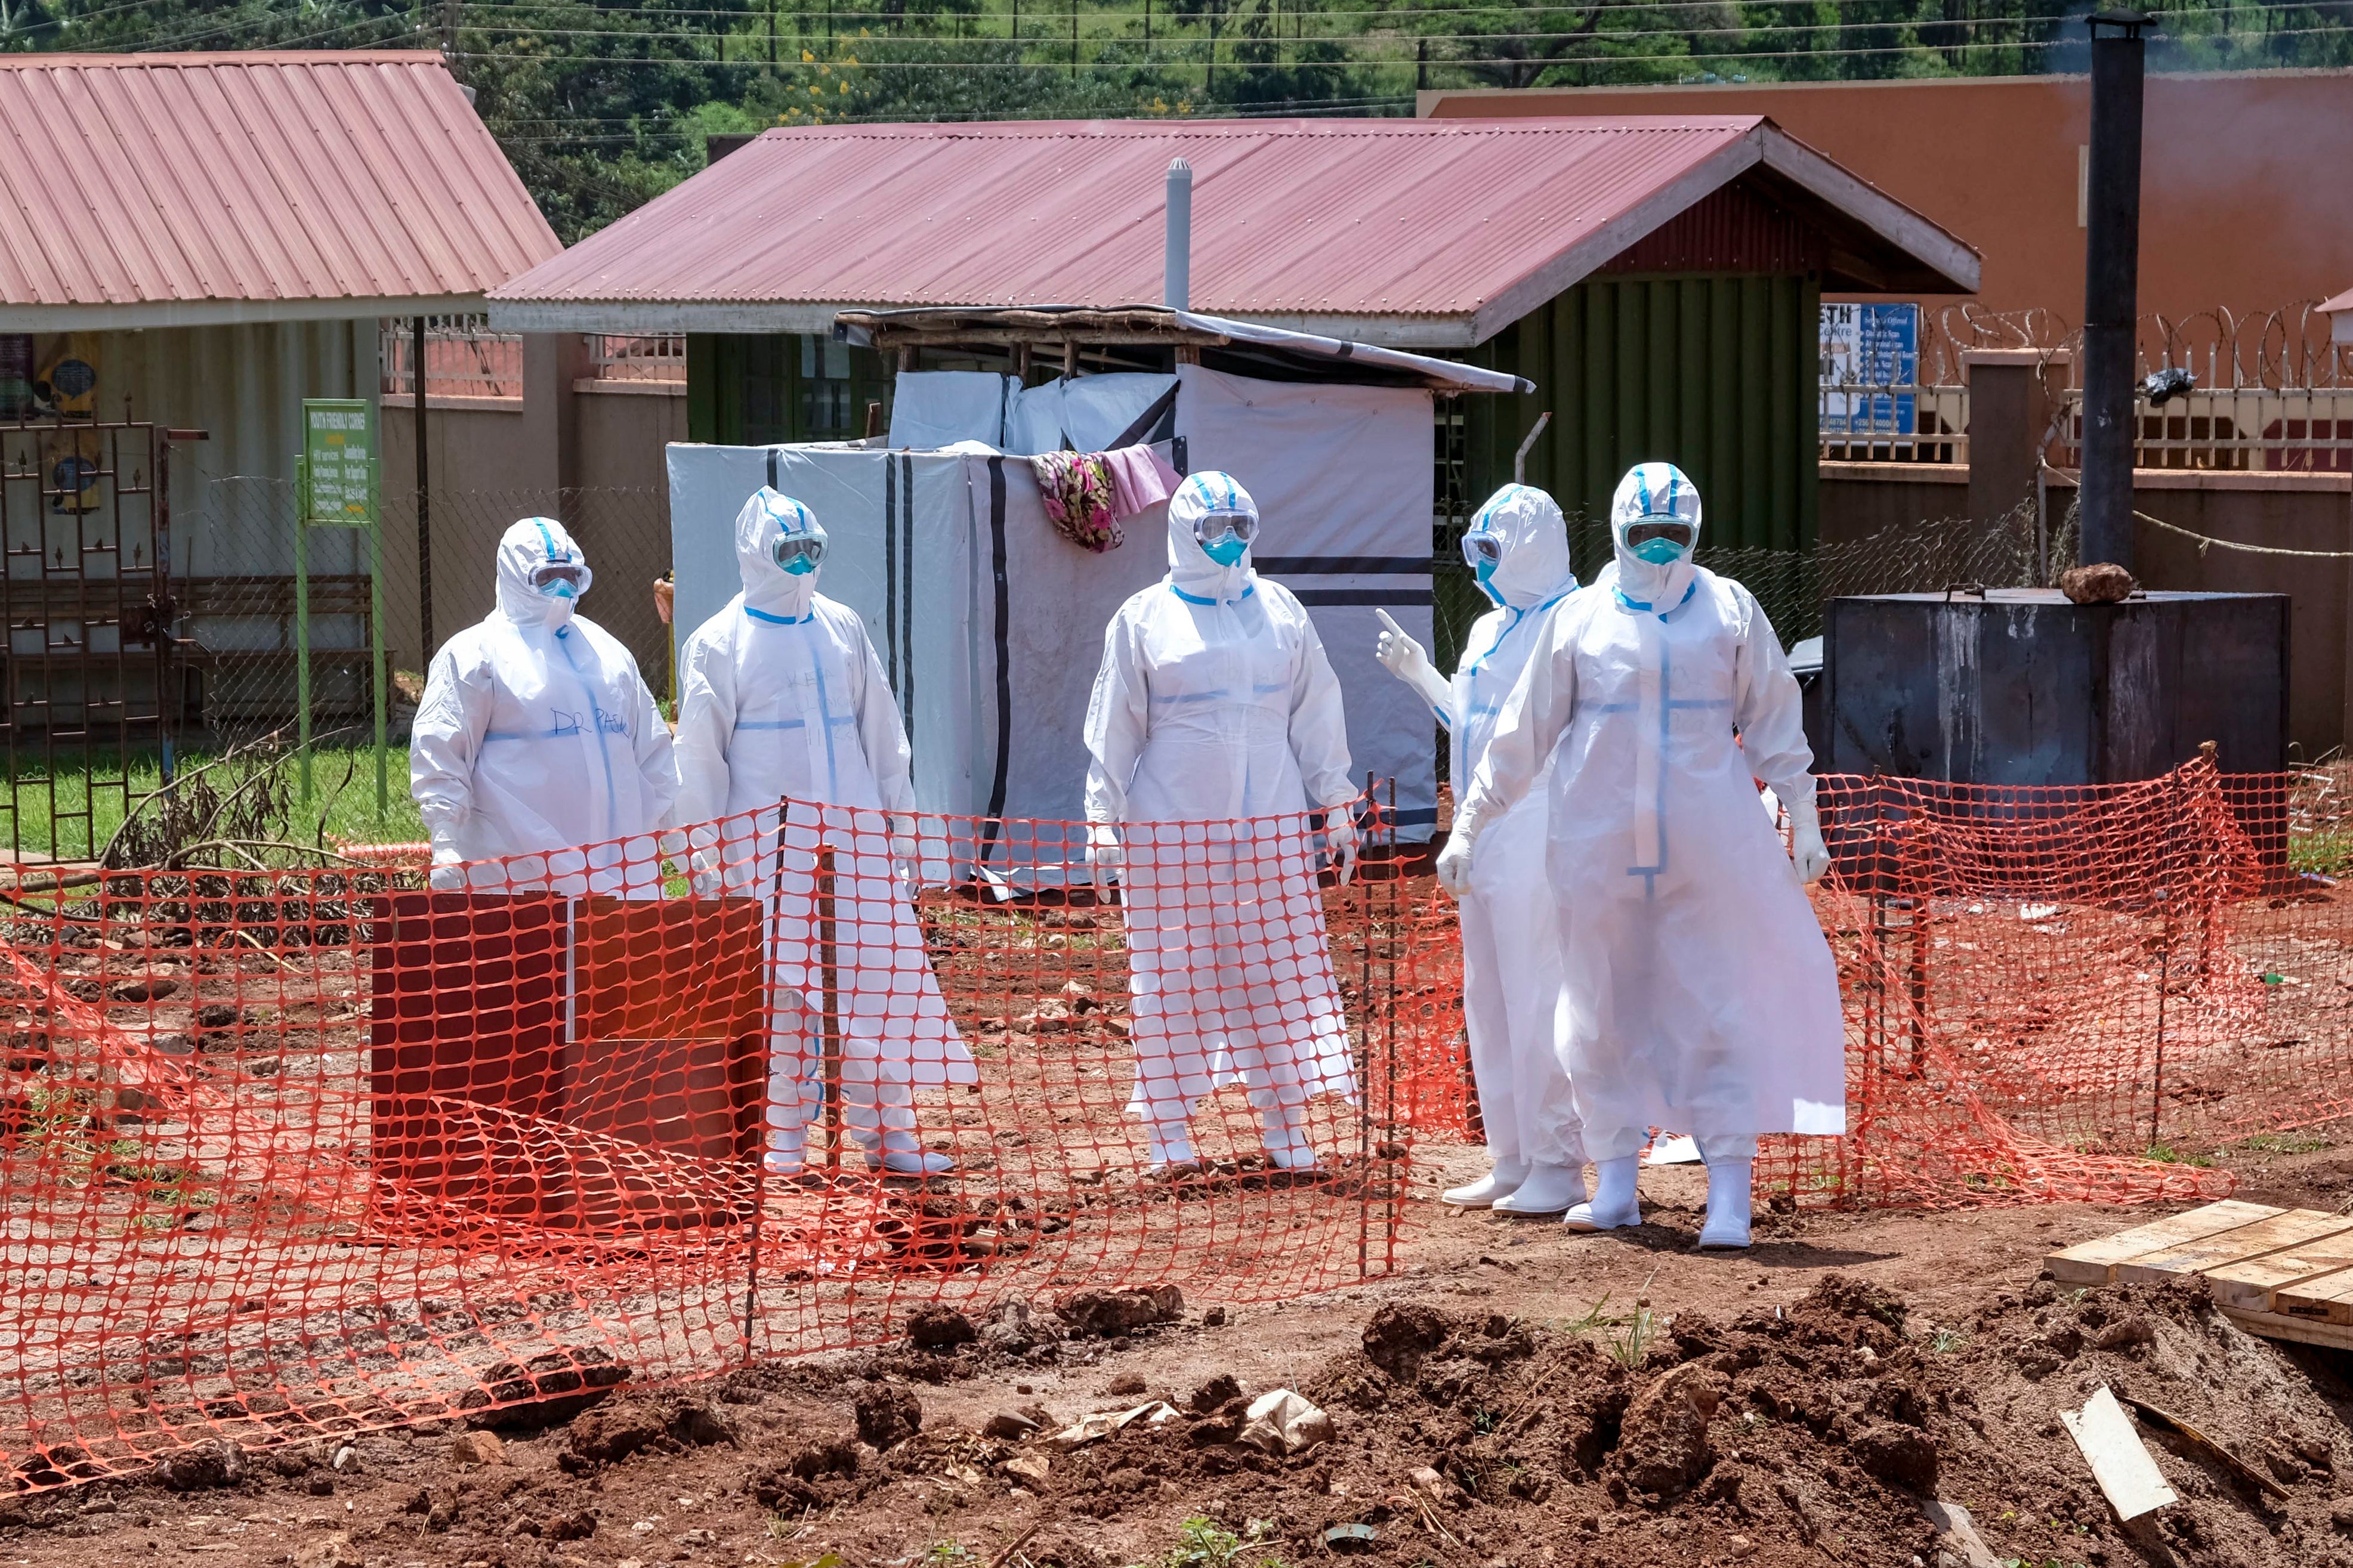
(180, 189)
(1328, 224)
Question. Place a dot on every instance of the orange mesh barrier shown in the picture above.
(320, 1149)
(301, 1150)
(2052, 995)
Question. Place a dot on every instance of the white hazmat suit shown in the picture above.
(782, 698)
(537, 758)
(1215, 726)
(1702, 994)
(1514, 1002)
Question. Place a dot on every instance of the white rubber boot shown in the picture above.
(903, 1155)
(1729, 1190)
(1549, 1189)
(1614, 1204)
(1499, 1182)
(1171, 1145)
(787, 1152)
(1281, 1128)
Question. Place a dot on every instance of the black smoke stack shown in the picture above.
(2111, 286)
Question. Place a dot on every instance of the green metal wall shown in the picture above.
(755, 391)
(1716, 374)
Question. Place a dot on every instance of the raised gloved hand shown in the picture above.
(1410, 662)
(1807, 853)
(1454, 859)
(1340, 833)
(1104, 854)
(905, 853)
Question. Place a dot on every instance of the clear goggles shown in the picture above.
(1482, 548)
(1217, 525)
(792, 547)
(545, 577)
(1673, 528)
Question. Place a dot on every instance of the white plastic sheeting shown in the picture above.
(934, 408)
(990, 623)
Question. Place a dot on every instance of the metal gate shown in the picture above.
(92, 698)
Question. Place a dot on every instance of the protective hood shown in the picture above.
(524, 548)
(1655, 491)
(1534, 568)
(1190, 570)
(768, 587)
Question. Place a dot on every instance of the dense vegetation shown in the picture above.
(603, 105)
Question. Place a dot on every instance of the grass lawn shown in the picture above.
(62, 814)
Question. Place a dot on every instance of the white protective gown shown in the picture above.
(1702, 994)
(1515, 1001)
(1215, 725)
(781, 697)
(537, 757)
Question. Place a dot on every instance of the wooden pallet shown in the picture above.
(2283, 1273)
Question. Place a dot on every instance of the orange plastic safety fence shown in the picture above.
(285, 1151)
(2051, 993)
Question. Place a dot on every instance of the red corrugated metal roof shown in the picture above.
(166, 186)
(1292, 219)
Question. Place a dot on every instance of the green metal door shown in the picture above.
(755, 391)
(1716, 375)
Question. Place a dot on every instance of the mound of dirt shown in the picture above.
(1833, 1425)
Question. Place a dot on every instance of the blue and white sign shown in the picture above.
(1868, 352)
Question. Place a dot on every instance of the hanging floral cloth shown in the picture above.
(1081, 502)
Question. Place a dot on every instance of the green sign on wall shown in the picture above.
(336, 478)
(338, 462)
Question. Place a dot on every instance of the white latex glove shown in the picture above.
(1454, 859)
(1104, 854)
(904, 851)
(1340, 833)
(1410, 662)
(1807, 851)
(447, 876)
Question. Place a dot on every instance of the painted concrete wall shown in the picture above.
(595, 460)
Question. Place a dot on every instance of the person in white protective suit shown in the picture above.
(537, 757)
(1702, 994)
(1215, 726)
(1515, 1004)
(782, 699)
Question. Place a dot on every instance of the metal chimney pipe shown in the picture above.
(2111, 287)
(1177, 264)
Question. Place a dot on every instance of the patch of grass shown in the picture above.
(2167, 1155)
(2285, 1143)
(1205, 1544)
(2329, 854)
(53, 806)
(1625, 1336)
(1947, 1341)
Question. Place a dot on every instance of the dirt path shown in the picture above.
(1612, 1399)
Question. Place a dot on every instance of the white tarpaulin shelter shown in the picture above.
(990, 623)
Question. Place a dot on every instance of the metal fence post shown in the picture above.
(831, 1015)
(302, 622)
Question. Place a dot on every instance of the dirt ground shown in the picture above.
(1517, 1395)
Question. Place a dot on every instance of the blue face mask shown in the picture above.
(1226, 549)
(557, 580)
(1660, 552)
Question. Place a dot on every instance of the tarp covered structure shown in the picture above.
(990, 621)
